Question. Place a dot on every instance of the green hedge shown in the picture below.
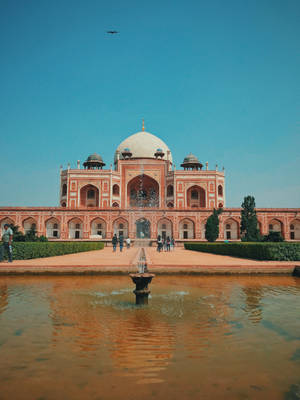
(28, 250)
(257, 251)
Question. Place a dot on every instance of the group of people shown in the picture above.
(120, 240)
(165, 244)
(7, 237)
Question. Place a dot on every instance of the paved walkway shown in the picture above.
(177, 261)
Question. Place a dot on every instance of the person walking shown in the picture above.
(7, 237)
(128, 241)
(114, 242)
(121, 242)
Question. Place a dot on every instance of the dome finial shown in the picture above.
(143, 126)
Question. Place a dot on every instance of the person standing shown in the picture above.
(121, 242)
(159, 243)
(114, 242)
(128, 241)
(7, 237)
(168, 243)
(172, 243)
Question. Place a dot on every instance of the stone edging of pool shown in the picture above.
(270, 269)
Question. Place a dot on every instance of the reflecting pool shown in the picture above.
(199, 338)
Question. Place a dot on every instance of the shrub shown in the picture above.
(212, 226)
(273, 237)
(249, 230)
(29, 250)
(283, 251)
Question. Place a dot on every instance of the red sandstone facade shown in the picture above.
(143, 196)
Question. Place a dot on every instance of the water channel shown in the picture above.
(198, 338)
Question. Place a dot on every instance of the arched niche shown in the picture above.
(186, 229)
(275, 225)
(98, 229)
(120, 227)
(75, 228)
(196, 197)
(170, 191)
(231, 229)
(53, 228)
(29, 224)
(116, 190)
(143, 191)
(165, 228)
(295, 229)
(220, 190)
(89, 196)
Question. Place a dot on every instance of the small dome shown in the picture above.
(191, 159)
(94, 157)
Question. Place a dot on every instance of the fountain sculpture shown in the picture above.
(141, 280)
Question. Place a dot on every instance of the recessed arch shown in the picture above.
(143, 228)
(196, 197)
(220, 190)
(186, 229)
(98, 228)
(116, 190)
(165, 228)
(52, 228)
(75, 228)
(29, 224)
(64, 189)
(170, 190)
(295, 229)
(275, 225)
(89, 196)
(231, 229)
(120, 227)
(143, 191)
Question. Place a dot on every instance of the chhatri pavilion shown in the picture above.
(143, 195)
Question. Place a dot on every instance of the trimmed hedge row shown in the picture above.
(257, 251)
(28, 250)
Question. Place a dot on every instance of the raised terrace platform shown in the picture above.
(179, 261)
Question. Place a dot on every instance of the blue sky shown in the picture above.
(218, 78)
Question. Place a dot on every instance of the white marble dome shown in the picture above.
(143, 145)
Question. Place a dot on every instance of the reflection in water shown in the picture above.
(200, 337)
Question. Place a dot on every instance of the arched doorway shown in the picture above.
(120, 227)
(143, 228)
(143, 191)
(75, 228)
(295, 230)
(231, 229)
(29, 224)
(98, 229)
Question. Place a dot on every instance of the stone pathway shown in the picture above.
(177, 261)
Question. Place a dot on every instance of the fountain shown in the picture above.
(141, 280)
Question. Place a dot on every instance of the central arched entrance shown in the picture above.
(143, 191)
(142, 228)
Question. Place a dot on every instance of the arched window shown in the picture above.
(292, 227)
(170, 191)
(185, 226)
(194, 194)
(64, 189)
(121, 226)
(91, 194)
(55, 226)
(220, 190)
(116, 190)
(227, 226)
(77, 226)
(99, 226)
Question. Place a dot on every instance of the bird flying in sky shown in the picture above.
(112, 32)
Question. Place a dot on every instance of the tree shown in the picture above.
(249, 230)
(273, 236)
(212, 226)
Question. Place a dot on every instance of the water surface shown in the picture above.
(199, 338)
